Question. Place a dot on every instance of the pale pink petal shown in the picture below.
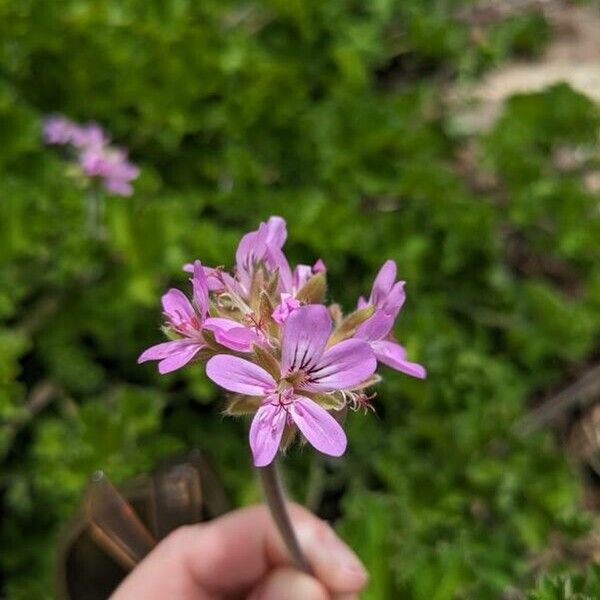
(343, 366)
(305, 334)
(383, 282)
(319, 266)
(118, 187)
(172, 355)
(213, 278)
(394, 300)
(251, 249)
(200, 288)
(320, 429)
(231, 334)
(277, 261)
(238, 375)
(375, 328)
(302, 273)
(158, 352)
(180, 357)
(177, 307)
(285, 308)
(362, 303)
(276, 232)
(265, 433)
(394, 355)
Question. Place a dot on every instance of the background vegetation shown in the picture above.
(333, 114)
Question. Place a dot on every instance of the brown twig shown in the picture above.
(581, 393)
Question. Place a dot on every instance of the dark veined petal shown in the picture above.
(305, 335)
(343, 366)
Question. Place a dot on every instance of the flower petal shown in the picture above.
(394, 355)
(158, 352)
(200, 287)
(276, 232)
(179, 358)
(302, 273)
(383, 282)
(177, 307)
(231, 334)
(342, 367)
(305, 335)
(375, 328)
(213, 276)
(394, 300)
(265, 433)
(239, 375)
(277, 261)
(361, 303)
(320, 429)
(172, 355)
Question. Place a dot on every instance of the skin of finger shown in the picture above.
(288, 583)
(333, 563)
(162, 574)
(231, 554)
(332, 560)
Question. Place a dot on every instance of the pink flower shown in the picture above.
(296, 365)
(89, 136)
(376, 332)
(386, 294)
(58, 130)
(263, 246)
(306, 366)
(96, 157)
(112, 166)
(284, 308)
(188, 320)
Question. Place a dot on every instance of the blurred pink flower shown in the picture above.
(96, 157)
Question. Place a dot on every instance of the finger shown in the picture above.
(331, 559)
(233, 553)
(246, 545)
(288, 583)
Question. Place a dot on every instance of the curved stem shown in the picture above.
(275, 497)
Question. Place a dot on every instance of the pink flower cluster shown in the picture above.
(96, 157)
(292, 362)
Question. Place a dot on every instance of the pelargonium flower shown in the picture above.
(188, 320)
(95, 155)
(305, 367)
(291, 362)
(111, 166)
(387, 297)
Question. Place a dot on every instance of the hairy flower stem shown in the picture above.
(275, 497)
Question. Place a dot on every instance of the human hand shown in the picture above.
(241, 555)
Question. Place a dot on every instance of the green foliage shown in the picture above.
(329, 113)
(578, 587)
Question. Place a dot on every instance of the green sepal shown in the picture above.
(240, 405)
(267, 361)
(313, 291)
(350, 324)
